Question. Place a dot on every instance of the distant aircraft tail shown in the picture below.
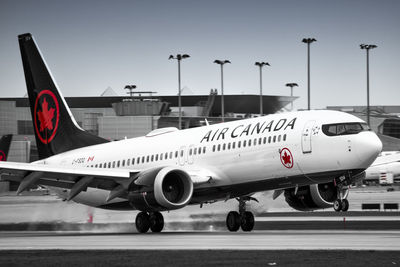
(56, 130)
(5, 143)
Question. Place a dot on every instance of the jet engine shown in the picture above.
(166, 188)
(313, 197)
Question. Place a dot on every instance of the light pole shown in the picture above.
(222, 62)
(130, 88)
(367, 48)
(291, 85)
(308, 41)
(179, 57)
(261, 64)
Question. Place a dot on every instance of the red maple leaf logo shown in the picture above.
(45, 116)
(1, 158)
(286, 158)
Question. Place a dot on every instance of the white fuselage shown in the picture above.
(214, 151)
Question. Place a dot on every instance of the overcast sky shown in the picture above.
(90, 45)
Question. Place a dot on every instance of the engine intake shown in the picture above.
(173, 188)
(313, 197)
(165, 188)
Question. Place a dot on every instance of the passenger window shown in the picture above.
(123, 163)
(269, 139)
(244, 143)
(274, 140)
(199, 150)
(118, 164)
(284, 137)
(219, 147)
(113, 164)
(190, 152)
(161, 156)
(204, 150)
(229, 145)
(176, 154)
(166, 155)
(249, 142)
(223, 146)
(264, 140)
(213, 148)
(279, 138)
(195, 151)
(233, 145)
(182, 153)
(239, 143)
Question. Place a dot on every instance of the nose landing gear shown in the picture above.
(341, 203)
(243, 218)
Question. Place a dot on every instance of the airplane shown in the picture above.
(310, 156)
(386, 165)
(5, 143)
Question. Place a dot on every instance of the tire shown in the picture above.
(337, 205)
(156, 222)
(247, 222)
(142, 222)
(233, 221)
(345, 205)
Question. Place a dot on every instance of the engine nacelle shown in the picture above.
(313, 197)
(165, 188)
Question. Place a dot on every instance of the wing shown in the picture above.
(117, 181)
(75, 179)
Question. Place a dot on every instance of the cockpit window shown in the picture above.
(344, 128)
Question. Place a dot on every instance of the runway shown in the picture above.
(256, 240)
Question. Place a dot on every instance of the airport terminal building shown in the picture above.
(117, 117)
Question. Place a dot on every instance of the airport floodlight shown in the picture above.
(367, 47)
(130, 88)
(364, 46)
(308, 41)
(222, 62)
(179, 57)
(261, 65)
(291, 85)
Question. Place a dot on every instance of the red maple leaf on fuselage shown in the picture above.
(286, 158)
(45, 116)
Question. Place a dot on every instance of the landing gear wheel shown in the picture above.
(337, 205)
(156, 222)
(247, 222)
(233, 221)
(142, 222)
(345, 205)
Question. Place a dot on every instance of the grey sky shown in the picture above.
(90, 45)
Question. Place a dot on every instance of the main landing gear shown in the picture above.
(243, 218)
(149, 220)
(341, 203)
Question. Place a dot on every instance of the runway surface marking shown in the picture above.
(257, 240)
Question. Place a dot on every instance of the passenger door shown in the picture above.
(306, 137)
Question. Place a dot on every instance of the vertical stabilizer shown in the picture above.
(56, 130)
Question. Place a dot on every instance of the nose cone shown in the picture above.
(368, 148)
